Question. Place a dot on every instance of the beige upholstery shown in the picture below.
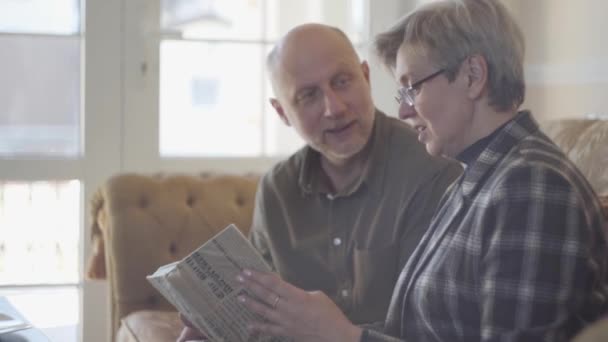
(142, 222)
(597, 332)
(586, 144)
(150, 325)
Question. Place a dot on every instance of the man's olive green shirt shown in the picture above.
(353, 244)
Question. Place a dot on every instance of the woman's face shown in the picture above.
(442, 112)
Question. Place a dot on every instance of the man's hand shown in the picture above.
(189, 333)
(293, 312)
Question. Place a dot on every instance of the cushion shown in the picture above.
(150, 326)
(584, 142)
(596, 332)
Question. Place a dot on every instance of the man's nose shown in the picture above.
(334, 104)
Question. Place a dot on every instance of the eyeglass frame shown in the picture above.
(408, 94)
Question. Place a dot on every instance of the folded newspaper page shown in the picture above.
(203, 287)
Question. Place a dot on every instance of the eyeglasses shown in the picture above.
(409, 94)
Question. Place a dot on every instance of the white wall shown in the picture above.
(384, 87)
(103, 130)
(566, 56)
(566, 61)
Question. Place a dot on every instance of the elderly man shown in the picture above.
(343, 214)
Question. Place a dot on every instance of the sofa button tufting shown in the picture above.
(156, 209)
(173, 248)
(240, 201)
(190, 201)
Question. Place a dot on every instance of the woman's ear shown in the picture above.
(477, 72)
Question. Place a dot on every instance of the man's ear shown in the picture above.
(280, 111)
(365, 69)
(477, 73)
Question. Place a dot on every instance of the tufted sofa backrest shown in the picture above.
(147, 221)
(585, 142)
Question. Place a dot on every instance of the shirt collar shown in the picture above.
(498, 145)
(470, 154)
(313, 180)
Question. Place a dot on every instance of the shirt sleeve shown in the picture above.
(534, 267)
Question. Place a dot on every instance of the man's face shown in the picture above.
(323, 92)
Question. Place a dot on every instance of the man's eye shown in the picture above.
(342, 81)
(306, 96)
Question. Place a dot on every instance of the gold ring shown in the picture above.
(276, 301)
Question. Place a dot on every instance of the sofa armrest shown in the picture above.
(96, 267)
(144, 221)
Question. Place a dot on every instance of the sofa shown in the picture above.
(140, 222)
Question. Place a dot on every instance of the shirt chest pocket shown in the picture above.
(375, 275)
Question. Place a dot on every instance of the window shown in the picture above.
(213, 87)
(39, 236)
(40, 150)
(39, 96)
(141, 56)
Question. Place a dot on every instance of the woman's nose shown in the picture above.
(406, 111)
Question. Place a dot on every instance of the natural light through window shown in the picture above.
(213, 85)
(41, 148)
(39, 232)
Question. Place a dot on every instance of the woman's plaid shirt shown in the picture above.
(516, 251)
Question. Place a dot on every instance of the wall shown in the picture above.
(566, 62)
(566, 54)
(384, 87)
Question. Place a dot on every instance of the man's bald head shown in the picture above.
(301, 39)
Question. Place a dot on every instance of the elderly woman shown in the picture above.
(516, 250)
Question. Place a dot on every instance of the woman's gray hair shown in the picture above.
(448, 31)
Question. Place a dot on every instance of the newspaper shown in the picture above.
(10, 324)
(203, 287)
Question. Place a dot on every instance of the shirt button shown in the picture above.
(337, 241)
(344, 293)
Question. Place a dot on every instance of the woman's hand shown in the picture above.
(293, 312)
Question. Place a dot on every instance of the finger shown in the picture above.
(185, 321)
(189, 334)
(267, 329)
(261, 291)
(266, 279)
(191, 331)
(269, 314)
(271, 281)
